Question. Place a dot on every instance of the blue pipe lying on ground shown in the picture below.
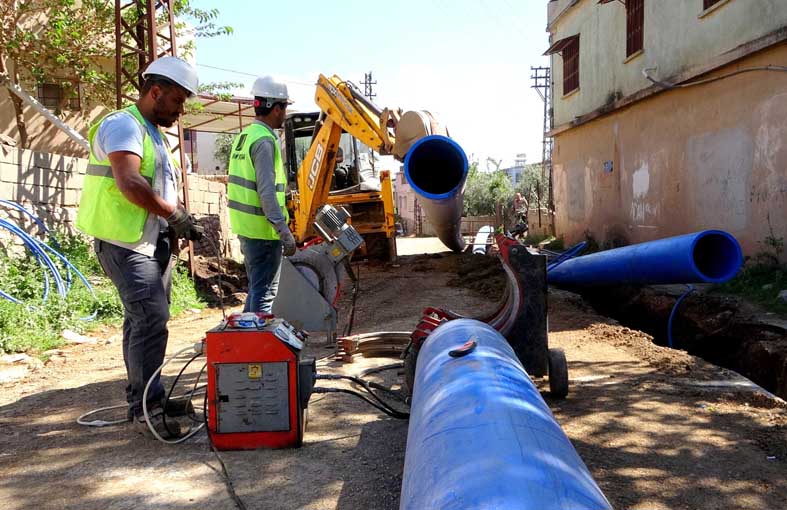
(710, 256)
(480, 435)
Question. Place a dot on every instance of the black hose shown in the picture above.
(172, 388)
(365, 385)
(390, 412)
(374, 370)
(224, 473)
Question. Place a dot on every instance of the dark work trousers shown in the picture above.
(263, 267)
(144, 284)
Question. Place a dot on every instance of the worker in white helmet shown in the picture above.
(130, 205)
(256, 194)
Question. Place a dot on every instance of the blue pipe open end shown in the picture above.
(436, 167)
(716, 255)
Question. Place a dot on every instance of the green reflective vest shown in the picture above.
(246, 216)
(104, 211)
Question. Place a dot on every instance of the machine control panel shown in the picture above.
(253, 321)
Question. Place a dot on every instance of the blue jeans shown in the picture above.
(144, 284)
(263, 267)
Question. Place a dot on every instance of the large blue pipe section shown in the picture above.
(436, 168)
(710, 256)
(480, 435)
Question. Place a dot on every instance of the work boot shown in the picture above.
(171, 430)
(178, 407)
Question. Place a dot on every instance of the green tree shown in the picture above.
(531, 186)
(222, 149)
(484, 190)
(72, 43)
(61, 41)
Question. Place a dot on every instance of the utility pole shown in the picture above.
(369, 93)
(543, 84)
(367, 86)
(145, 31)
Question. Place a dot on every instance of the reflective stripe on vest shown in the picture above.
(247, 218)
(104, 211)
(106, 171)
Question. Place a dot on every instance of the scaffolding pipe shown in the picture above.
(436, 168)
(51, 117)
(709, 256)
(480, 435)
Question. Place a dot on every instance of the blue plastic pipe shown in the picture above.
(480, 435)
(710, 256)
(436, 168)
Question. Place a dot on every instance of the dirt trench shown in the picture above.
(723, 330)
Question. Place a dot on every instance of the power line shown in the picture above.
(311, 84)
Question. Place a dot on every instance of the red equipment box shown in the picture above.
(258, 385)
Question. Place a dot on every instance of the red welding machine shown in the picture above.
(258, 385)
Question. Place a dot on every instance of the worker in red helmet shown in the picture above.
(130, 205)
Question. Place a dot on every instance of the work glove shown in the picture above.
(288, 242)
(183, 226)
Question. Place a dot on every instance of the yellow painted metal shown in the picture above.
(335, 98)
(343, 112)
(388, 204)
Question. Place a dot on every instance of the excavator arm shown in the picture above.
(344, 109)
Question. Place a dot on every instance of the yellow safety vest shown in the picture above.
(104, 211)
(246, 216)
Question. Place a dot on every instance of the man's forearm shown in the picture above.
(137, 190)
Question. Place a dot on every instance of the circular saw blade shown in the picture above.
(320, 271)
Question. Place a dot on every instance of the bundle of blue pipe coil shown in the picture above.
(46, 256)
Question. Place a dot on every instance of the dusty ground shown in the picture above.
(658, 429)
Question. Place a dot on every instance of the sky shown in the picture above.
(466, 61)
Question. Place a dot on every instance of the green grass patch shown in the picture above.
(35, 326)
(760, 284)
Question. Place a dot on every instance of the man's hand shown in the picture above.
(181, 223)
(288, 242)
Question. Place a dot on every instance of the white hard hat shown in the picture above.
(177, 70)
(268, 87)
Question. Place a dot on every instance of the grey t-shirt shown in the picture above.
(120, 131)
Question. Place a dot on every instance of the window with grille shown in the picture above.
(52, 95)
(635, 25)
(571, 66)
(707, 4)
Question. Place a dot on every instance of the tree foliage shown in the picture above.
(71, 43)
(63, 42)
(222, 149)
(484, 190)
(532, 187)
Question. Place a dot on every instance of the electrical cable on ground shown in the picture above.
(361, 382)
(225, 475)
(390, 412)
(381, 368)
(174, 383)
(145, 404)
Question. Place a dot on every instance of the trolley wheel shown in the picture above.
(558, 373)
